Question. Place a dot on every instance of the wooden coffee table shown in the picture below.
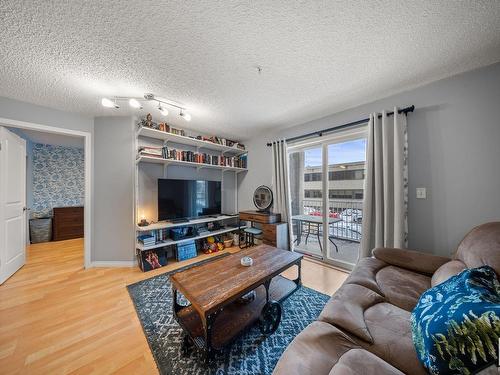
(216, 314)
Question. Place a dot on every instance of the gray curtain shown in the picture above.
(281, 184)
(386, 184)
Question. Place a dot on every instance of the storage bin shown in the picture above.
(40, 230)
(186, 250)
(183, 232)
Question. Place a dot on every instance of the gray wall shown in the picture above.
(454, 151)
(21, 111)
(113, 236)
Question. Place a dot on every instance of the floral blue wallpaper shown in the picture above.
(58, 178)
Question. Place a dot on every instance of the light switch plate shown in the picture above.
(421, 193)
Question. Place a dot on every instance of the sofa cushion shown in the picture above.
(412, 260)
(346, 309)
(456, 324)
(481, 246)
(402, 287)
(364, 273)
(446, 271)
(359, 361)
(314, 351)
(390, 328)
(398, 285)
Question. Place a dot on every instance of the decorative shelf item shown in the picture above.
(246, 261)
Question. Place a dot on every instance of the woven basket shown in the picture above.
(40, 230)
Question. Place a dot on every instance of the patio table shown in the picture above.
(315, 221)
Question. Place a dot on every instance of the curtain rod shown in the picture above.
(319, 133)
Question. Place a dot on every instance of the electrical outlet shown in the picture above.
(421, 193)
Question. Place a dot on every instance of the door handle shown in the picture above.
(25, 209)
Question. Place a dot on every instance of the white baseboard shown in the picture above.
(113, 263)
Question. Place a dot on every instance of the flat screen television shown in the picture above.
(188, 199)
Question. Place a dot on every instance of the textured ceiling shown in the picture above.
(317, 57)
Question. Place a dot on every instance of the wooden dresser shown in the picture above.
(274, 232)
(67, 223)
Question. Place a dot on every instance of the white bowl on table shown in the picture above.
(246, 261)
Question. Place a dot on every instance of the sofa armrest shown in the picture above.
(410, 259)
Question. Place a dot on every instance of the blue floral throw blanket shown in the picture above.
(456, 324)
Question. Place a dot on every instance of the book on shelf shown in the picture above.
(162, 234)
(156, 152)
(177, 131)
(204, 158)
(147, 239)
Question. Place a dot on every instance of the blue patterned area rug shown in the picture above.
(251, 354)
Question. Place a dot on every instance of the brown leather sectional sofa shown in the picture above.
(365, 326)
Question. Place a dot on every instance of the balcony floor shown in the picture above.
(348, 250)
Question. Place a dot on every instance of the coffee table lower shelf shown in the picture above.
(235, 317)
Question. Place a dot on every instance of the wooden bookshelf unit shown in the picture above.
(212, 154)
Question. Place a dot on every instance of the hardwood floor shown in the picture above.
(57, 318)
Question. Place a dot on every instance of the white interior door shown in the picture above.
(12, 203)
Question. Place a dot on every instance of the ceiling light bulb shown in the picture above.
(107, 103)
(162, 110)
(134, 103)
(186, 116)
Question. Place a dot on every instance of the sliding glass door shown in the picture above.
(346, 173)
(306, 179)
(326, 186)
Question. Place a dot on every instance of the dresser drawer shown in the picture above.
(247, 216)
(68, 223)
(68, 211)
(269, 230)
(259, 217)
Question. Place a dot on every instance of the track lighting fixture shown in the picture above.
(137, 103)
(162, 110)
(109, 103)
(134, 103)
(186, 116)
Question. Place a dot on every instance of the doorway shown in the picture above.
(10, 135)
(326, 187)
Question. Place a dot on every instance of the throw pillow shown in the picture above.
(456, 324)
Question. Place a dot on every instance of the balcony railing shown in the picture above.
(349, 211)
